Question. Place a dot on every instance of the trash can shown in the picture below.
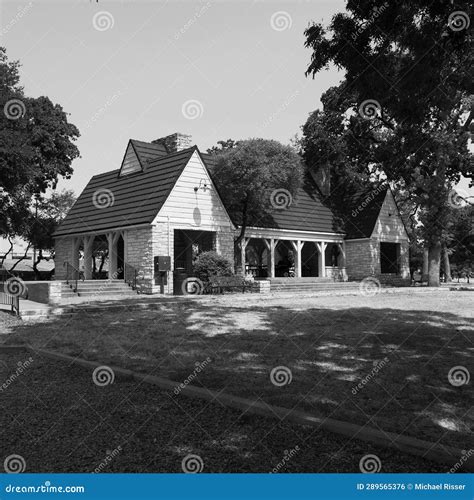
(179, 277)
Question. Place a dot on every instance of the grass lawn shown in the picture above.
(58, 420)
(402, 346)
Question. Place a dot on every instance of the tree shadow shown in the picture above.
(386, 368)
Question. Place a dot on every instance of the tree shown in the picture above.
(43, 221)
(223, 146)
(407, 92)
(36, 148)
(253, 177)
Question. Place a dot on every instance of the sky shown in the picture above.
(146, 69)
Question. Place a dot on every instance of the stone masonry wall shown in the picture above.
(63, 252)
(139, 254)
(362, 259)
(143, 244)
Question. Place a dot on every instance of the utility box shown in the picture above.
(162, 263)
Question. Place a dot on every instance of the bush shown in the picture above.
(209, 264)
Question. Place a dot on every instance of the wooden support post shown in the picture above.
(322, 258)
(271, 244)
(243, 246)
(297, 246)
(112, 239)
(88, 242)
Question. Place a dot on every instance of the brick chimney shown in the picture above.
(175, 142)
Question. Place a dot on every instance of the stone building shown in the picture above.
(161, 208)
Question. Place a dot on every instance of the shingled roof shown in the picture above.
(306, 213)
(361, 211)
(109, 201)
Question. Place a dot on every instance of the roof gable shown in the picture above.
(194, 201)
(130, 162)
(361, 212)
(389, 223)
(110, 201)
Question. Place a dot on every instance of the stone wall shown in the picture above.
(139, 254)
(63, 252)
(143, 244)
(45, 292)
(225, 244)
(363, 258)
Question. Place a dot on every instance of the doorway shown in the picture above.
(389, 258)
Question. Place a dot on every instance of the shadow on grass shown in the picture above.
(387, 368)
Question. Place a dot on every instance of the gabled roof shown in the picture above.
(361, 212)
(109, 201)
(147, 151)
(306, 213)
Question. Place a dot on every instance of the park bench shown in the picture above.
(420, 278)
(220, 283)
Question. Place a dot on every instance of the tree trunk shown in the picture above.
(434, 259)
(425, 262)
(35, 265)
(447, 265)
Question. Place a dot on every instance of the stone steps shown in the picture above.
(94, 288)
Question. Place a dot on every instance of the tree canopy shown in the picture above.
(402, 106)
(252, 175)
(36, 149)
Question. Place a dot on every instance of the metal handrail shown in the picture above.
(130, 275)
(72, 275)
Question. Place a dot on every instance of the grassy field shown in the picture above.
(382, 361)
(58, 420)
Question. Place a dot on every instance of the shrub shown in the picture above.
(209, 264)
